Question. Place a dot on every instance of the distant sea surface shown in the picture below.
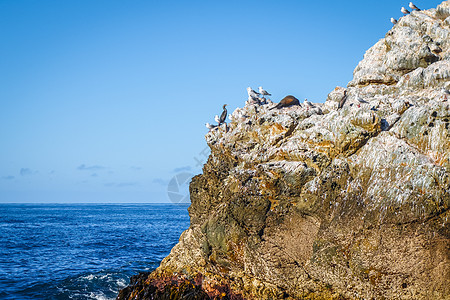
(82, 251)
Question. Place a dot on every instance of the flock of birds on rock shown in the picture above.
(405, 11)
(253, 96)
(291, 101)
(220, 120)
(255, 99)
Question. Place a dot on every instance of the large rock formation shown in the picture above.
(328, 203)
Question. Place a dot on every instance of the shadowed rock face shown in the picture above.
(322, 203)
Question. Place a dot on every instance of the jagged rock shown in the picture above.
(417, 40)
(335, 98)
(328, 203)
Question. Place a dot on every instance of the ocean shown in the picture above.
(82, 251)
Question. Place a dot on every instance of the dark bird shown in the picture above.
(223, 116)
(287, 101)
(341, 103)
(412, 6)
(405, 11)
(393, 21)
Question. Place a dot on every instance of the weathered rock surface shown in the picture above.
(328, 203)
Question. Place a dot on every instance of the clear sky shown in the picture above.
(106, 101)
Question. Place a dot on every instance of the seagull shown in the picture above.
(252, 93)
(286, 101)
(308, 104)
(263, 92)
(217, 119)
(361, 101)
(412, 6)
(393, 21)
(210, 126)
(223, 116)
(253, 100)
(405, 11)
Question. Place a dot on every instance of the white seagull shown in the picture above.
(361, 101)
(405, 11)
(308, 104)
(210, 126)
(252, 93)
(412, 6)
(263, 92)
(393, 21)
(217, 119)
(253, 100)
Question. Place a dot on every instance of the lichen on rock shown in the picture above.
(328, 202)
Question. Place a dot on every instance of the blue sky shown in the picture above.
(106, 101)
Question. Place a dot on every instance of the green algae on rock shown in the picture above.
(328, 203)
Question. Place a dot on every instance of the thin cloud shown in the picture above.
(10, 177)
(26, 172)
(83, 167)
(122, 184)
(186, 168)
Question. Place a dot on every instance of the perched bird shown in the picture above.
(263, 92)
(344, 98)
(360, 101)
(445, 94)
(223, 116)
(252, 93)
(308, 104)
(210, 126)
(393, 21)
(405, 11)
(413, 7)
(253, 100)
(217, 119)
(287, 101)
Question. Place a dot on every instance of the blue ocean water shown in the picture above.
(82, 251)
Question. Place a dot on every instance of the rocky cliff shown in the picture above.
(328, 202)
